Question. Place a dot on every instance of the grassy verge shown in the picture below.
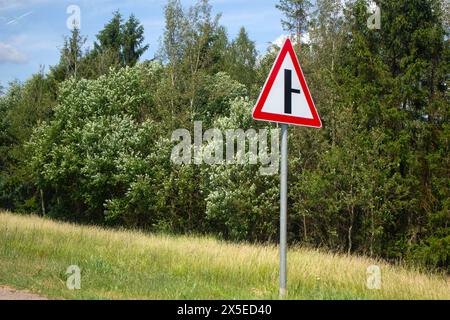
(35, 253)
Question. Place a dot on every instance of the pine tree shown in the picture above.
(72, 53)
(111, 37)
(241, 59)
(132, 41)
(296, 17)
(123, 42)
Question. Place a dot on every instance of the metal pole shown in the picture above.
(283, 208)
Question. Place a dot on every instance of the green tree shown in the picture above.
(194, 45)
(72, 52)
(23, 108)
(241, 204)
(124, 41)
(133, 39)
(70, 57)
(171, 53)
(296, 17)
(110, 38)
(241, 59)
(96, 150)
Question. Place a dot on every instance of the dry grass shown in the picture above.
(35, 252)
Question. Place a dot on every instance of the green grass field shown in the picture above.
(35, 253)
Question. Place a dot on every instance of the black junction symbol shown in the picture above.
(288, 91)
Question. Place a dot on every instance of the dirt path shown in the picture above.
(7, 293)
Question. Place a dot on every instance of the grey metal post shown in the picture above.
(283, 208)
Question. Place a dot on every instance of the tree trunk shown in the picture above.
(352, 210)
(372, 234)
(333, 126)
(350, 229)
(305, 234)
(42, 202)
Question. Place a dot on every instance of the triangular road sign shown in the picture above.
(285, 97)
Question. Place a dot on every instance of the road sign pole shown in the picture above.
(286, 100)
(283, 208)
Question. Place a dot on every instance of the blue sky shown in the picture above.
(32, 31)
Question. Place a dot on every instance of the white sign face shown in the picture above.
(285, 97)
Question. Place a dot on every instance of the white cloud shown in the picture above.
(10, 54)
(280, 40)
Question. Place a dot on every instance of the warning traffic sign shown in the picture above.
(285, 97)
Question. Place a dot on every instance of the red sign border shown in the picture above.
(258, 114)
